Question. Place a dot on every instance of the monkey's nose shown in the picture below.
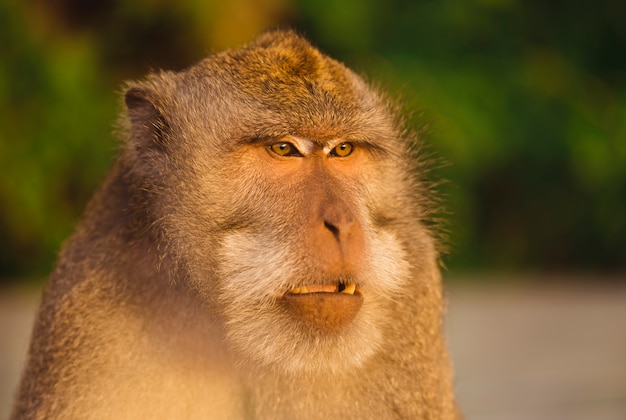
(342, 227)
(338, 241)
(334, 229)
(337, 217)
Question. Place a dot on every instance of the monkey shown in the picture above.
(260, 249)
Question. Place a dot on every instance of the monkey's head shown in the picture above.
(279, 183)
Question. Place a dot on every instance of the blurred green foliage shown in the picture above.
(525, 100)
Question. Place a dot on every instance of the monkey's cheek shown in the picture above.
(323, 313)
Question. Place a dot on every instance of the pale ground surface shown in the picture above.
(520, 352)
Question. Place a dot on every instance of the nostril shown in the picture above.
(334, 229)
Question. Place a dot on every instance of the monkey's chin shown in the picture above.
(323, 312)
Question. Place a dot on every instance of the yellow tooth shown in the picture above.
(350, 288)
(295, 291)
(303, 289)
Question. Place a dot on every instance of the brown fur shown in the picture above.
(172, 299)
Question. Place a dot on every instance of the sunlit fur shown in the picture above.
(166, 301)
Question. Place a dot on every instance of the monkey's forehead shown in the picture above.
(284, 69)
(279, 84)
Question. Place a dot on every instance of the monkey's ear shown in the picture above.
(149, 129)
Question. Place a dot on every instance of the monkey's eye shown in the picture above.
(342, 150)
(285, 149)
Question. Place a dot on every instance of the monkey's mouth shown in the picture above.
(324, 308)
(349, 289)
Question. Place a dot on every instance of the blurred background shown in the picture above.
(522, 104)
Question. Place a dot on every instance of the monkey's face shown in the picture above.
(303, 259)
(305, 272)
(280, 180)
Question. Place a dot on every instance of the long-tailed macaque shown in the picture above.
(260, 250)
